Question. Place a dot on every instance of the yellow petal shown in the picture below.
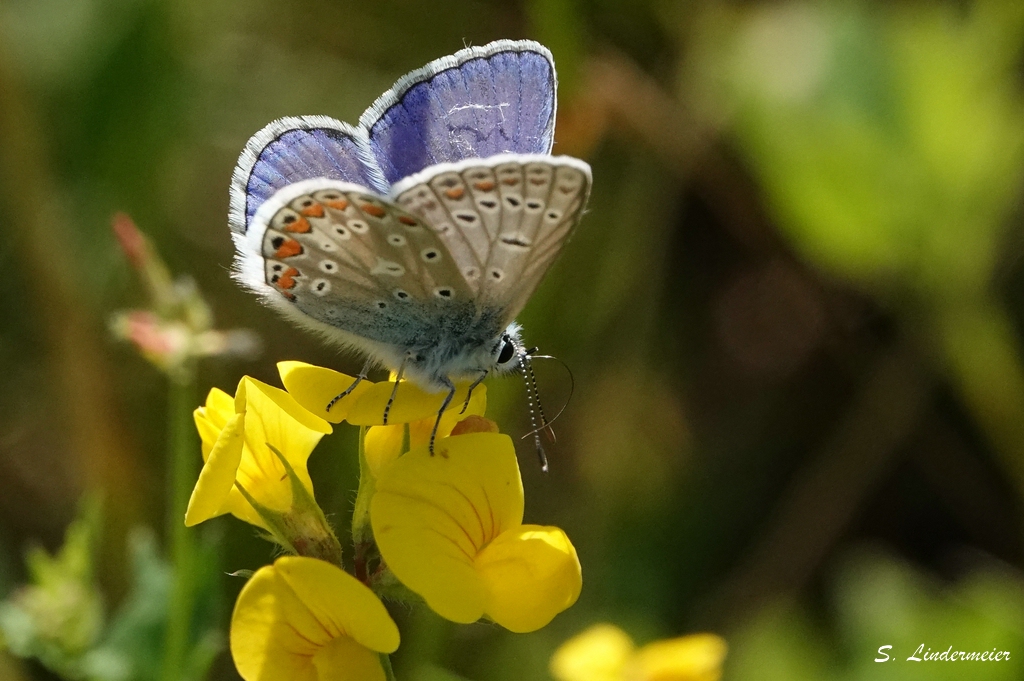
(217, 478)
(382, 445)
(419, 431)
(273, 417)
(314, 387)
(531, 574)
(697, 657)
(273, 635)
(306, 619)
(284, 402)
(598, 654)
(345, 660)
(211, 417)
(208, 432)
(411, 403)
(341, 603)
(431, 515)
(219, 407)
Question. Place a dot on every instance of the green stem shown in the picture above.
(385, 661)
(183, 454)
(367, 486)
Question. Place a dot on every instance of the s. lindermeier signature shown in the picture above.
(922, 654)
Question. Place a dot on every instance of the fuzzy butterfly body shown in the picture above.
(417, 236)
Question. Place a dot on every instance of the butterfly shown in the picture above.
(416, 236)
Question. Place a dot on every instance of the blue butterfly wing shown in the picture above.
(476, 103)
(293, 149)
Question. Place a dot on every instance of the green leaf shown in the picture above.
(133, 648)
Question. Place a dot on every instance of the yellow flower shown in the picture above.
(255, 448)
(606, 653)
(303, 619)
(314, 387)
(450, 528)
(384, 444)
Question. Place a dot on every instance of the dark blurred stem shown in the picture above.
(983, 354)
(183, 456)
(84, 399)
(827, 494)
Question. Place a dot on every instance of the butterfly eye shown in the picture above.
(508, 350)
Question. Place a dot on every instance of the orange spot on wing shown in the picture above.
(339, 204)
(287, 279)
(314, 211)
(288, 248)
(372, 209)
(538, 180)
(454, 193)
(485, 186)
(565, 190)
(300, 226)
(510, 181)
(406, 220)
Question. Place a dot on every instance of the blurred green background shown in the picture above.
(793, 311)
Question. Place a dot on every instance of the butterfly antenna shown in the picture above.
(533, 400)
(546, 425)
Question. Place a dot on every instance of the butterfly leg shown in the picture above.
(359, 379)
(394, 391)
(440, 412)
(474, 384)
